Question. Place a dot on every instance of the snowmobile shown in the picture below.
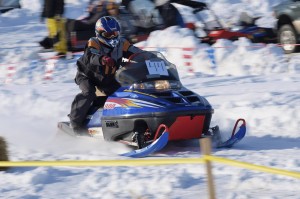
(151, 108)
(247, 25)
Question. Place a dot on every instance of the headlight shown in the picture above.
(158, 85)
(161, 84)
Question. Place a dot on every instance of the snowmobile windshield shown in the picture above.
(146, 67)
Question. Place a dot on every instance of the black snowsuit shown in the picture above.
(91, 74)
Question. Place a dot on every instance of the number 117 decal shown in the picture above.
(157, 67)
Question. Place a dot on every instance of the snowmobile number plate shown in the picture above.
(157, 68)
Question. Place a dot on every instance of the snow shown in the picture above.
(244, 80)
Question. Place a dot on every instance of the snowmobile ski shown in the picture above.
(155, 146)
(235, 137)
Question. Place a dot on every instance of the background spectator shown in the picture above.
(53, 11)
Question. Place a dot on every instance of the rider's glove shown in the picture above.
(108, 61)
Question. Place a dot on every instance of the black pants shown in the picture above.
(82, 102)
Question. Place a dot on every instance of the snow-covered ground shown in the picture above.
(260, 84)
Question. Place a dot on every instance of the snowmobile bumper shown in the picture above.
(182, 125)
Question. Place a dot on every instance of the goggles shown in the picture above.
(110, 35)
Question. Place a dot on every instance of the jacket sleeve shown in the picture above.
(89, 64)
(129, 49)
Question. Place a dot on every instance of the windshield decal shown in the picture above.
(157, 68)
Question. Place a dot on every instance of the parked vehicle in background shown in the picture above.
(288, 25)
(6, 5)
(209, 28)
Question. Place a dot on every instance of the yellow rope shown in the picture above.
(86, 163)
(252, 166)
(148, 162)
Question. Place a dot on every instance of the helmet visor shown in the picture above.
(110, 35)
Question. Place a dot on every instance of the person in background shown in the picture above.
(125, 19)
(96, 68)
(53, 11)
(85, 24)
(169, 13)
(147, 17)
(95, 10)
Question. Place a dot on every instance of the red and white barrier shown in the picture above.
(49, 68)
(10, 73)
(187, 55)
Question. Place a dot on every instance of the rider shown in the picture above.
(96, 68)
